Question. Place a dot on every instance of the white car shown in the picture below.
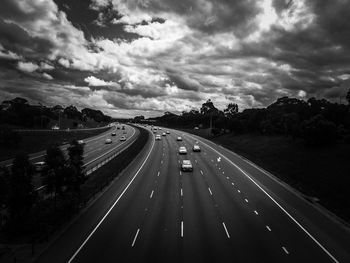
(186, 166)
(196, 148)
(159, 128)
(81, 142)
(167, 132)
(158, 138)
(163, 134)
(182, 150)
(108, 141)
(179, 138)
(114, 134)
(122, 139)
(39, 166)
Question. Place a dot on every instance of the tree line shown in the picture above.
(316, 121)
(26, 212)
(20, 113)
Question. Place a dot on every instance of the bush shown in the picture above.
(317, 131)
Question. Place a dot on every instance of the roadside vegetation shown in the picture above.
(31, 216)
(304, 143)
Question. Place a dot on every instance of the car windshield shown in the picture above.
(186, 162)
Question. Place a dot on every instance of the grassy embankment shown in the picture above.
(32, 142)
(321, 173)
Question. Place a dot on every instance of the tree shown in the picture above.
(208, 107)
(231, 110)
(76, 175)
(348, 96)
(22, 195)
(54, 174)
(4, 185)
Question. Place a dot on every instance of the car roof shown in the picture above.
(186, 162)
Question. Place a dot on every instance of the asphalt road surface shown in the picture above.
(226, 210)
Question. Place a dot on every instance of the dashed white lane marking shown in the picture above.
(246, 200)
(210, 191)
(137, 233)
(182, 228)
(233, 184)
(228, 235)
(151, 194)
(238, 191)
(256, 212)
(180, 173)
(285, 250)
(158, 173)
(181, 192)
(201, 172)
(268, 228)
(195, 161)
(227, 177)
(161, 162)
(223, 172)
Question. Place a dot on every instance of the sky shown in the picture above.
(132, 57)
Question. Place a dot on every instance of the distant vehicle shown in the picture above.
(158, 138)
(163, 134)
(108, 141)
(55, 127)
(167, 132)
(179, 138)
(81, 142)
(186, 166)
(154, 131)
(118, 128)
(182, 150)
(125, 132)
(123, 127)
(159, 128)
(39, 166)
(122, 139)
(196, 148)
(155, 128)
(196, 128)
(114, 134)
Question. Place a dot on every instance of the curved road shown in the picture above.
(226, 210)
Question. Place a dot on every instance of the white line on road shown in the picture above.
(268, 228)
(227, 177)
(182, 228)
(195, 161)
(110, 209)
(285, 250)
(158, 173)
(151, 194)
(161, 162)
(210, 191)
(180, 173)
(238, 191)
(201, 172)
(228, 235)
(256, 212)
(233, 184)
(182, 192)
(246, 200)
(137, 233)
(274, 201)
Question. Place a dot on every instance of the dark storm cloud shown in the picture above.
(182, 81)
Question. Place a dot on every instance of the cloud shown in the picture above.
(47, 76)
(95, 82)
(28, 67)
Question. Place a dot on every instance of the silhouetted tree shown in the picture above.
(54, 173)
(9, 138)
(348, 96)
(4, 185)
(22, 195)
(76, 175)
(231, 110)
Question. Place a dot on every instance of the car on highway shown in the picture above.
(196, 148)
(154, 131)
(108, 141)
(118, 128)
(155, 128)
(123, 128)
(159, 128)
(158, 138)
(196, 128)
(125, 132)
(114, 134)
(163, 134)
(81, 142)
(39, 166)
(186, 166)
(182, 150)
(122, 139)
(167, 132)
(179, 138)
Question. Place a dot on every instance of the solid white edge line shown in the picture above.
(137, 233)
(228, 235)
(182, 228)
(182, 192)
(158, 174)
(285, 250)
(273, 200)
(120, 196)
(210, 191)
(151, 194)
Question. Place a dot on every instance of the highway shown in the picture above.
(94, 148)
(226, 210)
